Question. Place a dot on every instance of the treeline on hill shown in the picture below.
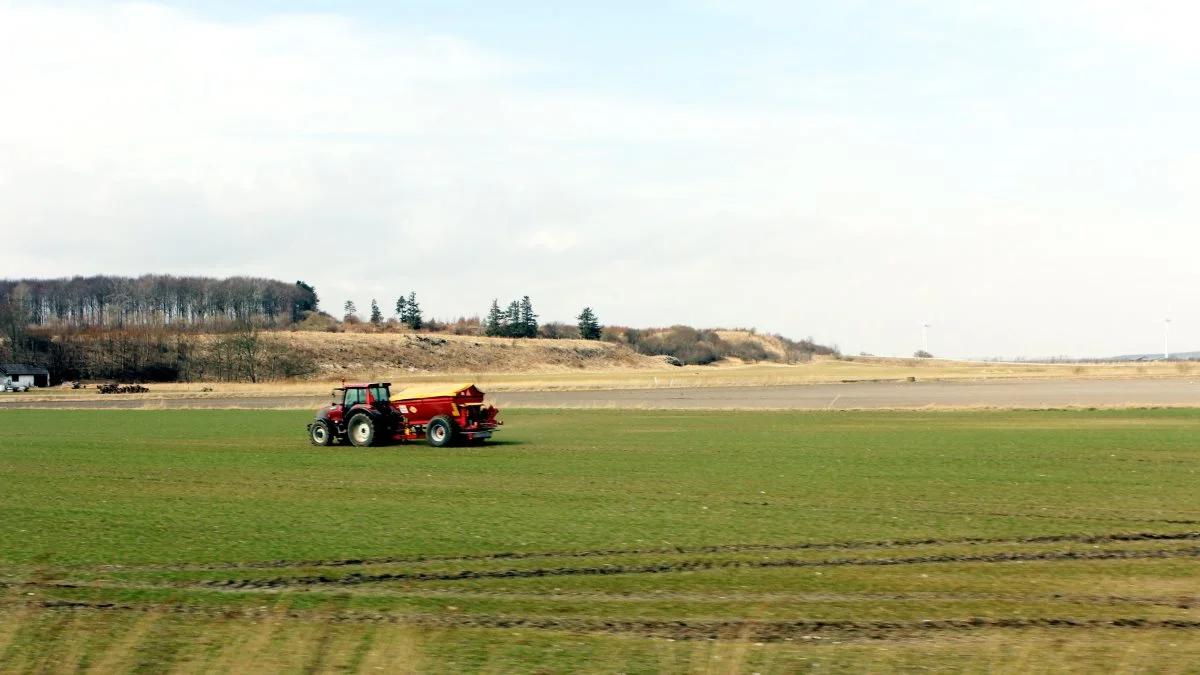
(157, 300)
(159, 328)
(518, 321)
(154, 328)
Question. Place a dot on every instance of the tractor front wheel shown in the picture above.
(361, 430)
(440, 431)
(319, 434)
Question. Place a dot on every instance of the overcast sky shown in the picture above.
(1021, 174)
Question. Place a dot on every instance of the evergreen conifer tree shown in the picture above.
(529, 324)
(512, 320)
(401, 308)
(376, 315)
(589, 325)
(495, 320)
(307, 300)
(413, 317)
(350, 310)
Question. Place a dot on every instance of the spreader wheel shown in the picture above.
(361, 430)
(319, 434)
(440, 431)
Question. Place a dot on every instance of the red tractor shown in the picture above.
(366, 414)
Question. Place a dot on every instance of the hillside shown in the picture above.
(345, 353)
(348, 354)
(163, 355)
(774, 347)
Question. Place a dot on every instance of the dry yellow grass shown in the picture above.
(771, 344)
(273, 643)
(362, 354)
(640, 376)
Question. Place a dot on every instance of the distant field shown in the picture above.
(604, 541)
(820, 371)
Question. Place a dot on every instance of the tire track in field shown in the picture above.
(679, 550)
(916, 507)
(1054, 516)
(682, 629)
(619, 597)
(769, 631)
(684, 566)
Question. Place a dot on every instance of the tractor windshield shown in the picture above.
(379, 394)
(338, 396)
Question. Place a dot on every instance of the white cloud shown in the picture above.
(375, 159)
(1155, 24)
(552, 241)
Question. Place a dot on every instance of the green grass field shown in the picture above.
(604, 541)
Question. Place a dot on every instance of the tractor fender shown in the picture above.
(388, 419)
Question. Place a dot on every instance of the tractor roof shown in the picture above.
(364, 386)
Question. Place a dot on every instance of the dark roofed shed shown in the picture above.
(21, 373)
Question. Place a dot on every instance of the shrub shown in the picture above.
(317, 321)
(472, 326)
(556, 330)
(749, 350)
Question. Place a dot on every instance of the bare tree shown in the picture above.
(247, 343)
(159, 300)
(14, 320)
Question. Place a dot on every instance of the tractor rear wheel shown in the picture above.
(440, 431)
(361, 430)
(319, 434)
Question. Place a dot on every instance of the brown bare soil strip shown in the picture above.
(687, 566)
(759, 631)
(1174, 601)
(682, 550)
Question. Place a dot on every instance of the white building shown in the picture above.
(21, 374)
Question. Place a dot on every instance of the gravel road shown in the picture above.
(1020, 394)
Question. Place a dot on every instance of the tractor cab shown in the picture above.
(375, 394)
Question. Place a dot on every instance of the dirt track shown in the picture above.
(410, 579)
(743, 630)
(1022, 394)
(1016, 394)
